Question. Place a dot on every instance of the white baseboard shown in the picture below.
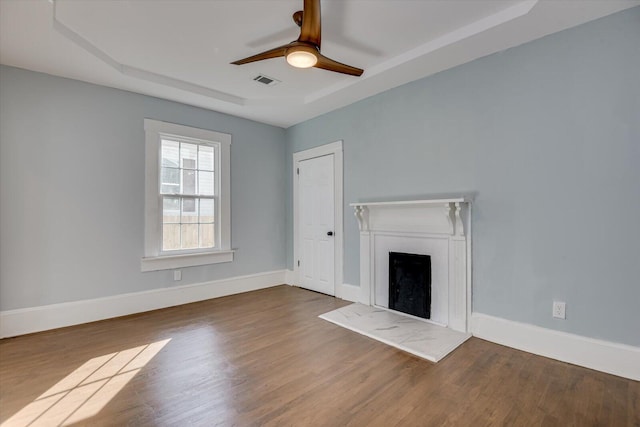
(350, 292)
(345, 291)
(290, 277)
(612, 358)
(36, 319)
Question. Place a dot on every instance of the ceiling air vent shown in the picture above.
(269, 81)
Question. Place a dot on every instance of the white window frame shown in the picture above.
(154, 258)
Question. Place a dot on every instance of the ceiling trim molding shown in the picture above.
(136, 72)
(508, 14)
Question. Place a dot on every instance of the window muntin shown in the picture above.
(188, 193)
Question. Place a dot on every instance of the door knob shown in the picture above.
(329, 233)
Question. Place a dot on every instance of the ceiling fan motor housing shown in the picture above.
(302, 55)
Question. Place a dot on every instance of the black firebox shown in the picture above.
(410, 284)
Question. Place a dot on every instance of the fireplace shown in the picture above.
(410, 284)
(437, 228)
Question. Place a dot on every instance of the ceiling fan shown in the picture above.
(305, 52)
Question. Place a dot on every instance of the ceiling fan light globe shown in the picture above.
(301, 59)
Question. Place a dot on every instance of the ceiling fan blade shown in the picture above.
(331, 65)
(276, 52)
(311, 24)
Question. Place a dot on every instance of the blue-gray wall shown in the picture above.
(72, 191)
(548, 136)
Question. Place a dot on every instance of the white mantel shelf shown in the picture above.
(462, 199)
(414, 215)
(438, 227)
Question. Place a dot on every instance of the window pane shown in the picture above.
(170, 181)
(188, 181)
(207, 235)
(189, 236)
(206, 210)
(170, 237)
(188, 155)
(170, 153)
(189, 210)
(205, 183)
(205, 158)
(170, 210)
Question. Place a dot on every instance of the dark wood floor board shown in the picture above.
(264, 358)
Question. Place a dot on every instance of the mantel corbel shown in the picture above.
(447, 213)
(459, 223)
(362, 215)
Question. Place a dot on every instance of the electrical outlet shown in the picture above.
(177, 275)
(559, 308)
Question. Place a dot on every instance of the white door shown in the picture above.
(316, 219)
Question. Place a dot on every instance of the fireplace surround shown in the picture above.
(439, 228)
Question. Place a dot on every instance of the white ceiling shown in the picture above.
(181, 49)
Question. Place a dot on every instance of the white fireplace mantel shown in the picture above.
(438, 227)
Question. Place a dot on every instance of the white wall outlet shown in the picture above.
(559, 308)
(177, 275)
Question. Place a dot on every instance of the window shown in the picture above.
(187, 200)
(187, 178)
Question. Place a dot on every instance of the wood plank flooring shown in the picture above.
(265, 358)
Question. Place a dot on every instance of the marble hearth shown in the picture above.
(409, 334)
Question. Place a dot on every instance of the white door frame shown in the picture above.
(334, 148)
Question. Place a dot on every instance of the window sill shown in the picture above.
(187, 260)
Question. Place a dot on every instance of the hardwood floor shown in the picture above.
(265, 358)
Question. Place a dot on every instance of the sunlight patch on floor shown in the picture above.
(85, 391)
